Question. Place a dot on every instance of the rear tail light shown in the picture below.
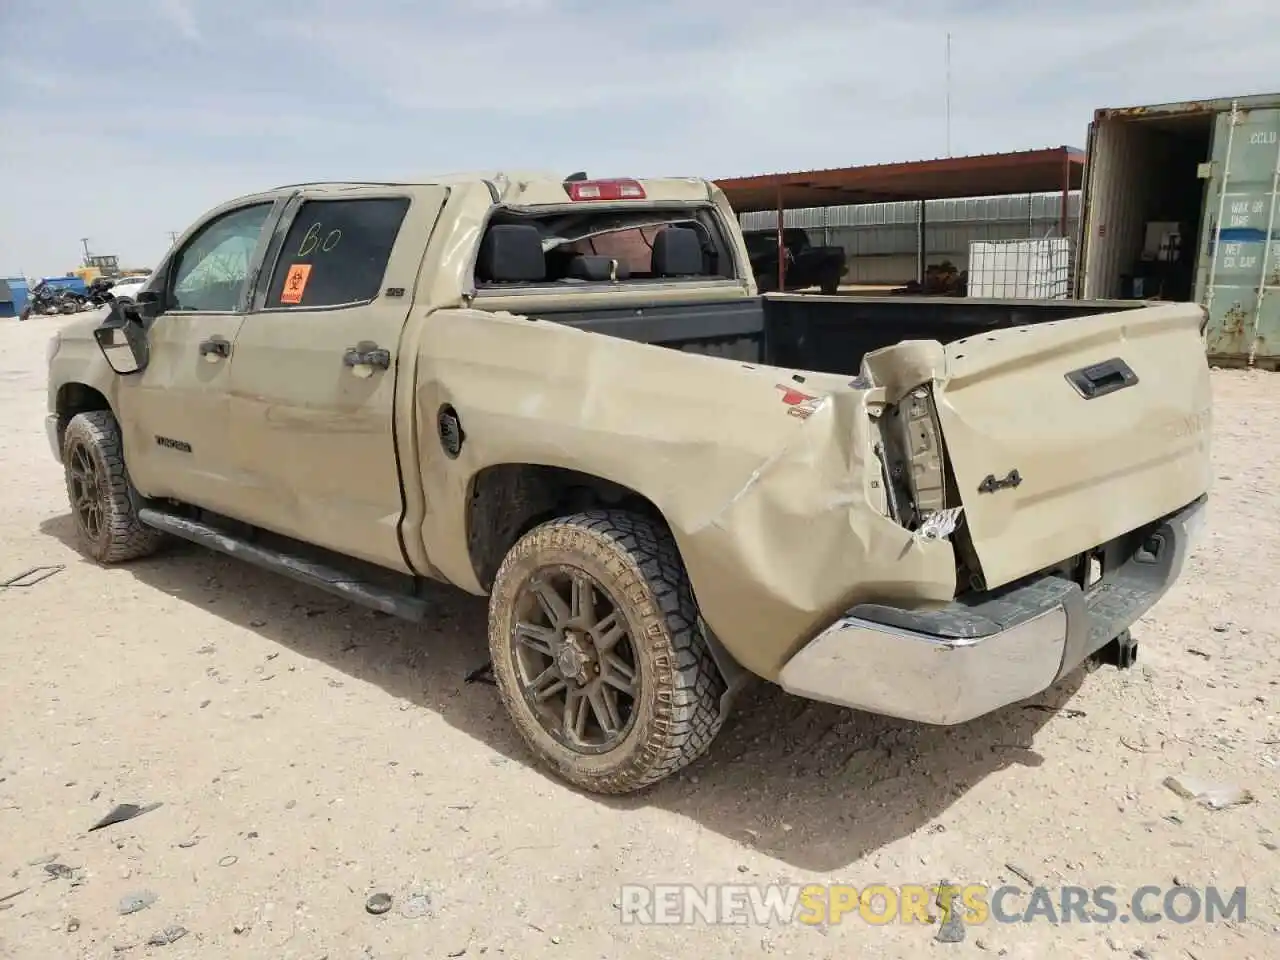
(605, 190)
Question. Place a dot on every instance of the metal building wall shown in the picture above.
(880, 238)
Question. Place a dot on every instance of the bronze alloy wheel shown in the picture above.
(99, 492)
(86, 484)
(574, 659)
(598, 653)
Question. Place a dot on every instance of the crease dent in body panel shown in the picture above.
(803, 531)
(801, 436)
(772, 559)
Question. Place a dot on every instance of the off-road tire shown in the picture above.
(122, 536)
(677, 713)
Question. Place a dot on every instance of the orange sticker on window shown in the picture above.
(295, 282)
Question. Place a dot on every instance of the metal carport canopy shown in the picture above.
(988, 175)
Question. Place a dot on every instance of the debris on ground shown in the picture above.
(167, 936)
(133, 902)
(4, 899)
(1065, 711)
(29, 578)
(482, 674)
(416, 906)
(123, 812)
(378, 904)
(952, 927)
(1020, 874)
(59, 870)
(1215, 796)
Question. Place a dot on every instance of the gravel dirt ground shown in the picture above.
(308, 754)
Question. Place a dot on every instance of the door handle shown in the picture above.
(367, 355)
(1102, 378)
(211, 349)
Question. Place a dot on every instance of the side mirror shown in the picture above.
(148, 304)
(122, 340)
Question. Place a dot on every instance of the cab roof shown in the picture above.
(525, 188)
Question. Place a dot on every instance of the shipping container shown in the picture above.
(18, 294)
(9, 307)
(1181, 201)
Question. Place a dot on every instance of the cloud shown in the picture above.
(181, 15)
(165, 107)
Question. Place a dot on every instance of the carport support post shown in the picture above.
(1066, 189)
(782, 250)
(921, 248)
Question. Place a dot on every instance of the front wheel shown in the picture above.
(598, 654)
(99, 491)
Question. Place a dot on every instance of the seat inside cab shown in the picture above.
(524, 253)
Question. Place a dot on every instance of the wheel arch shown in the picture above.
(76, 397)
(507, 500)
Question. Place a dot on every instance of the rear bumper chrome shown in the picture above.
(951, 665)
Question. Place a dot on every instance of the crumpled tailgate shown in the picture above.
(1065, 435)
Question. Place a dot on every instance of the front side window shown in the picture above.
(211, 272)
(336, 252)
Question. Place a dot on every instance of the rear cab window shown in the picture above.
(335, 253)
(565, 248)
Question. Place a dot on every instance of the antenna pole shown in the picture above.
(948, 61)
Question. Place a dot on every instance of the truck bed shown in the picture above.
(825, 334)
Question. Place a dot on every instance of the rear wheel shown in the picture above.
(99, 491)
(597, 651)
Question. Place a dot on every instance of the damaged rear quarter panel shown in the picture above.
(772, 512)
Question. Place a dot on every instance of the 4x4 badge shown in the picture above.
(991, 484)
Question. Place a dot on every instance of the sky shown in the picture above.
(124, 120)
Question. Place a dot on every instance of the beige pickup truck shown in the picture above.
(566, 394)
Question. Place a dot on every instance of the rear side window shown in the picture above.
(336, 252)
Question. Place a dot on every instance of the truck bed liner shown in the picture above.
(825, 334)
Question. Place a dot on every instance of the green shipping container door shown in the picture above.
(1238, 279)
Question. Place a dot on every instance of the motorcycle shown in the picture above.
(43, 301)
(71, 302)
(47, 301)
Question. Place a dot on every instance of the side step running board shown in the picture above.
(327, 578)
